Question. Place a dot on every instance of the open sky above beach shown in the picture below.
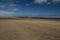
(43, 8)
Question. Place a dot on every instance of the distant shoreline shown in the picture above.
(55, 19)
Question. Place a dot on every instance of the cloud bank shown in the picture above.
(40, 1)
(56, 0)
(5, 12)
(45, 1)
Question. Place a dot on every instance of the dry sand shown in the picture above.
(29, 29)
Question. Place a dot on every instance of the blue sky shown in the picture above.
(45, 8)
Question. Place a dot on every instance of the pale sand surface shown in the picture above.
(29, 29)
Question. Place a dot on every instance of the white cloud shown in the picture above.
(15, 9)
(40, 1)
(48, 3)
(2, 6)
(12, 5)
(55, 0)
(45, 1)
(9, 7)
(27, 4)
(5, 12)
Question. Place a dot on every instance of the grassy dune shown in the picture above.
(29, 29)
